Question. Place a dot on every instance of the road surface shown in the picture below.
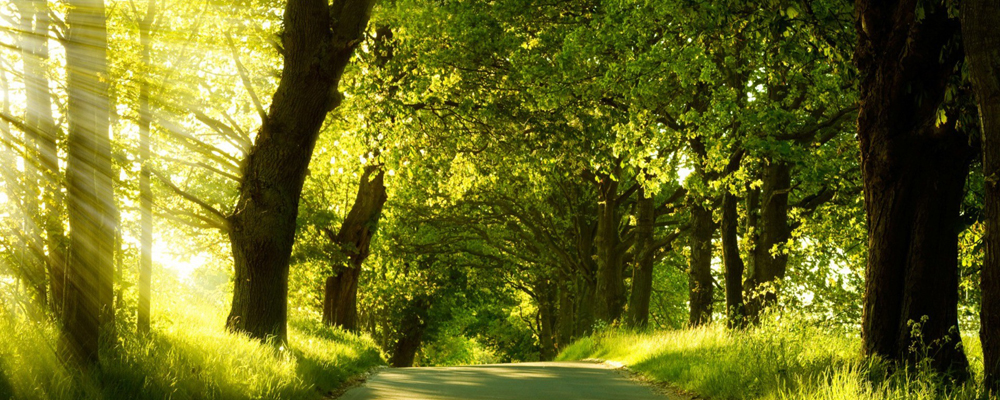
(538, 381)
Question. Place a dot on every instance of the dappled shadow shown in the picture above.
(542, 381)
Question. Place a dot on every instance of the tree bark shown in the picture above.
(546, 320)
(732, 262)
(413, 326)
(145, 192)
(642, 272)
(914, 166)
(769, 268)
(610, 279)
(340, 303)
(318, 42)
(981, 34)
(92, 216)
(700, 288)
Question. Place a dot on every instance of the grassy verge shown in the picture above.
(187, 356)
(777, 361)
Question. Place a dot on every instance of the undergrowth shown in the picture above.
(188, 355)
(779, 360)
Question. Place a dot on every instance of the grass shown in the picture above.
(789, 360)
(187, 356)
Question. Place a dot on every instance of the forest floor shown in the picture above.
(539, 380)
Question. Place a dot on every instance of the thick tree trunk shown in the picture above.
(610, 279)
(92, 217)
(318, 41)
(769, 268)
(412, 328)
(914, 166)
(642, 272)
(981, 33)
(585, 285)
(732, 262)
(340, 303)
(145, 192)
(700, 288)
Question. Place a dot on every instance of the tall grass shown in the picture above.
(780, 360)
(188, 355)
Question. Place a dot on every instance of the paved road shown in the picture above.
(538, 381)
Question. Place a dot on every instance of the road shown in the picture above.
(538, 381)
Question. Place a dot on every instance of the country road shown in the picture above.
(539, 381)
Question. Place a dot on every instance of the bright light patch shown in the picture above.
(181, 264)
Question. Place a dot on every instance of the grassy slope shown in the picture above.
(790, 361)
(188, 356)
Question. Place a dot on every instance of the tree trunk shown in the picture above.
(700, 288)
(354, 238)
(145, 192)
(546, 320)
(92, 217)
(610, 280)
(340, 301)
(642, 273)
(914, 166)
(982, 45)
(318, 41)
(733, 262)
(566, 319)
(773, 230)
(42, 172)
(412, 327)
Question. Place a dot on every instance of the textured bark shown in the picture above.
(92, 217)
(914, 168)
(610, 279)
(700, 288)
(412, 328)
(145, 192)
(772, 230)
(340, 303)
(642, 272)
(981, 33)
(732, 262)
(318, 41)
(585, 285)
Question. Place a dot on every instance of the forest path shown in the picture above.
(539, 381)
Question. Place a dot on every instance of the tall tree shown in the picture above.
(92, 217)
(145, 192)
(981, 34)
(340, 302)
(914, 167)
(317, 43)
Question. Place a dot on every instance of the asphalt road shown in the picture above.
(539, 381)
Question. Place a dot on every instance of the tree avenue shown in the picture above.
(266, 198)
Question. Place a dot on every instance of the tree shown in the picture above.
(145, 191)
(982, 45)
(914, 165)
(340, 297)
(317, 44)
(89, 296)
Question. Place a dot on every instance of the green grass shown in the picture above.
(187, 356)
(790, 360)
